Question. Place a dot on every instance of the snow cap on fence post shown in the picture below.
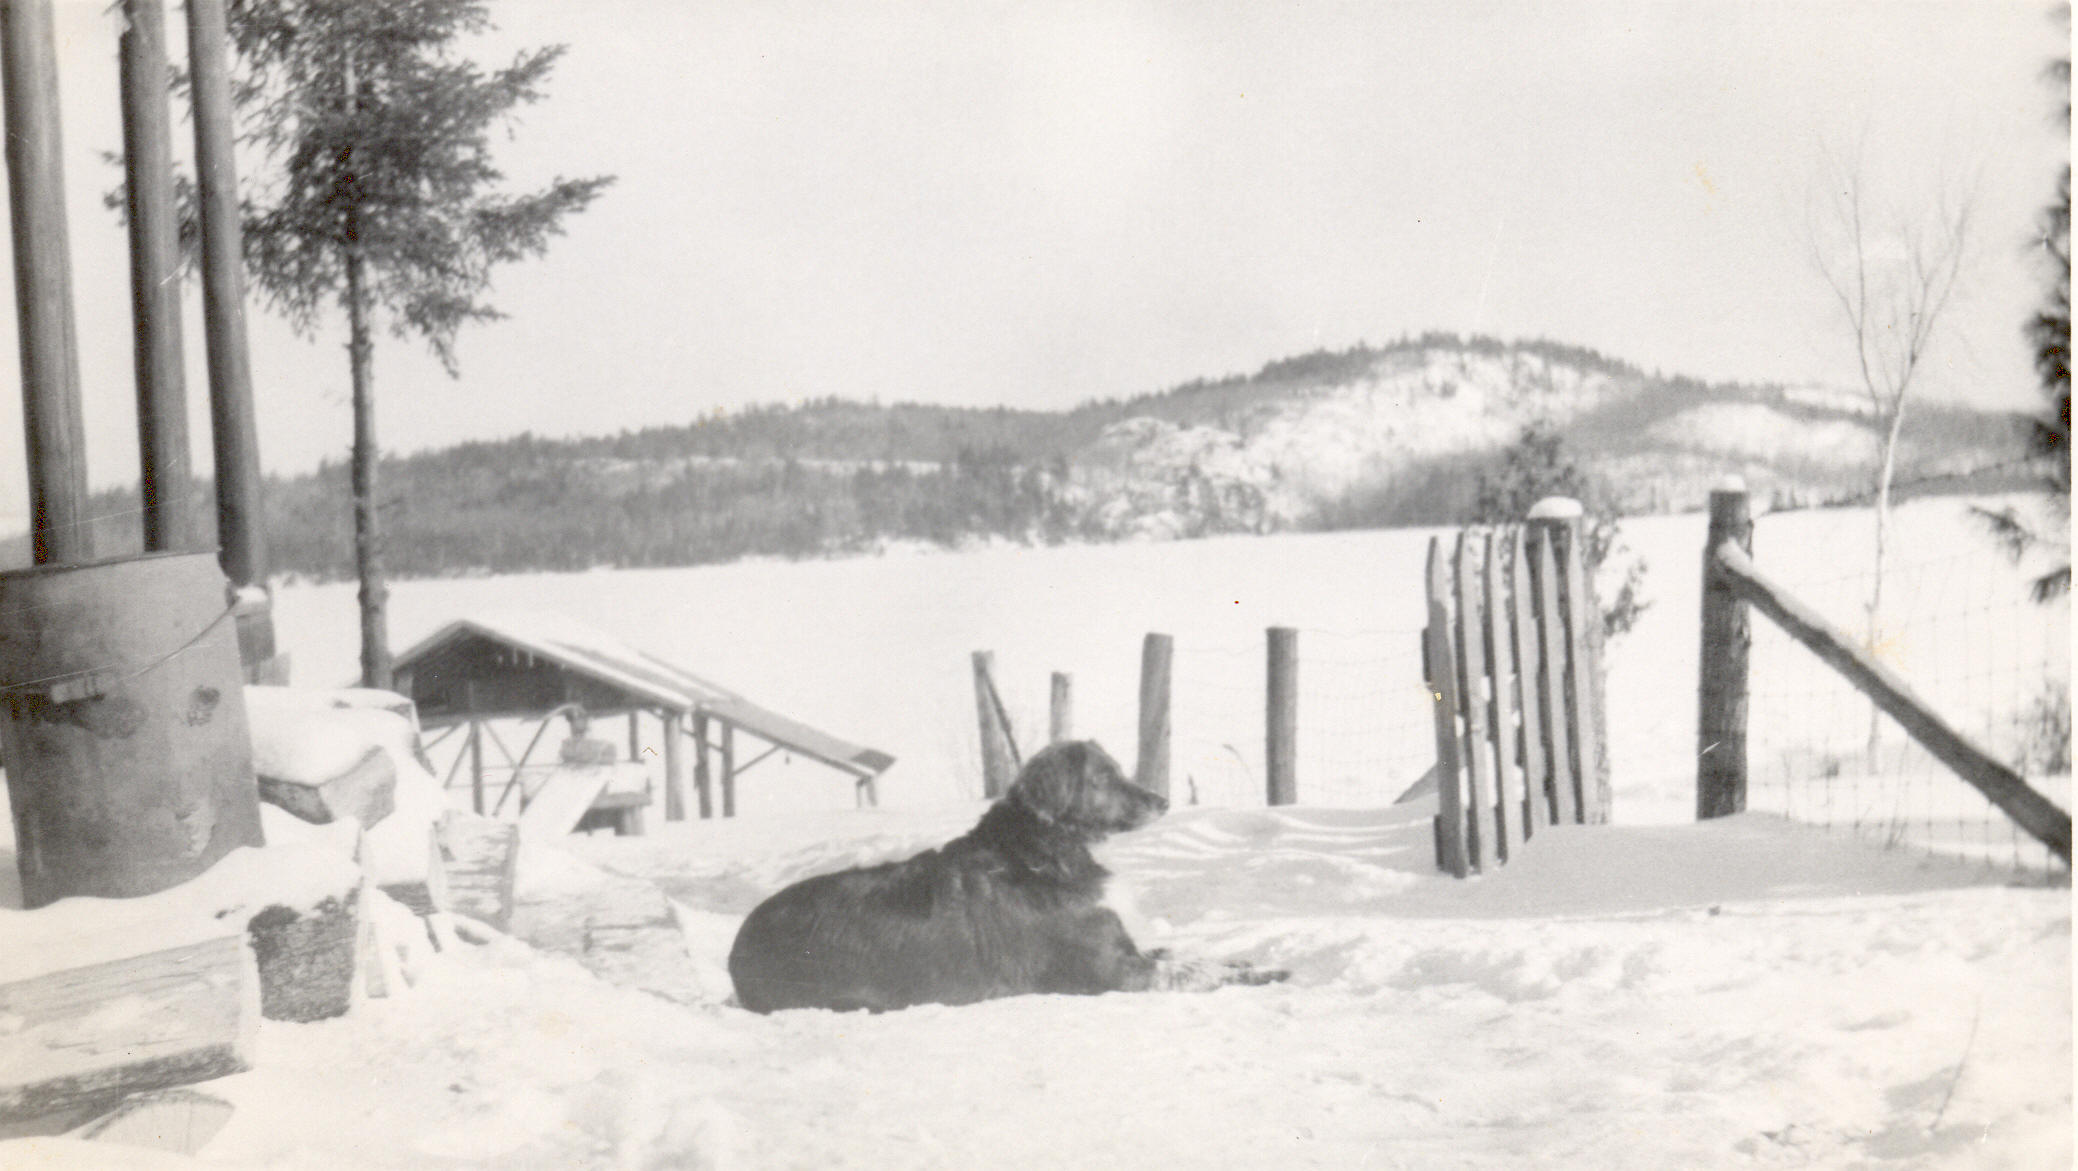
(1557, 508)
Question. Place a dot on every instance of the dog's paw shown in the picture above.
(1191, 975)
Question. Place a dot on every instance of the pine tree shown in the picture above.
(378, 195)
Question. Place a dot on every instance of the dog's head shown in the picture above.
(1076, 785)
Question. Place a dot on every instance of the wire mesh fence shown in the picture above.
(1994, 664)
(1364, 724)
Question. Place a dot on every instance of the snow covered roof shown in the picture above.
(618, 667)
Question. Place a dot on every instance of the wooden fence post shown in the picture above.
(1551, 631)
(1500, 668)
(1440, 659)
(997, 768)
(1471, 669)
(1281, 717)
(1157, 657)
(1061, 711)
(1722, 684)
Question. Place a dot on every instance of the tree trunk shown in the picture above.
(374, 595)
(1886, 471)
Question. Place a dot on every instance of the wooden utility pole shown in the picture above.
(240, 521)
(162, 398)
(1727, 643)
(55, 425)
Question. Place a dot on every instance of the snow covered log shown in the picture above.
(366, 792)
(181, 1121)
(76, 1041)
(481, 857)
(323, 755)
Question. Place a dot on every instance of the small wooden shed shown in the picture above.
(532, 666)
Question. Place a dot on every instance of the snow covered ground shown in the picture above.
(1654, 994)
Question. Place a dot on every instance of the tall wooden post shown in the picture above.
(703, 776)
(162, 402)
(1551, 633)
(1561, 521)
(674, 767)
(1722, 686)
(240, 520)
(1528, 673)
(1157, 658)
(54, 424)
(1060, 723)
(998, 769)
(1281, 717)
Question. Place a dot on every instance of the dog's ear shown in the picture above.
(1050, 784)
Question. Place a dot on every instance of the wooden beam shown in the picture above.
(2005, 788)
(703, 782)
(47, 337)
(674, 766)
(728, 770)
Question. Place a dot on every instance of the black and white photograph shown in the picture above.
(680, 585)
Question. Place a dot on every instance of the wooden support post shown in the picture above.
(2005, 788)
(635, 735)
(728, 770)
(47, 340)
(1157, 658)
(1281, 717)
(1500, 668)
(240, 519)
(162, 405)
(1722, 686)
(703, 782)
(1551, 632)
(1471, 646)
(997, 768)
(1060, 725)
(1439, 657)
(1528, 671)
(476, 751)
(674, 767)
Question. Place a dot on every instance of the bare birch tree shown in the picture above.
(1893, 271)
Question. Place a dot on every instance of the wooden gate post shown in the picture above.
(1722, 684)
(1501, 706)
(1529, 667)
(997, 768)
(1471, 675)
(1060, 725)
(1157, 658)
(1281, 717)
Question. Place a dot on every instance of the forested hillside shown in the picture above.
(1363, 437)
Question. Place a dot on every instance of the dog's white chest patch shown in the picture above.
(1122, 899)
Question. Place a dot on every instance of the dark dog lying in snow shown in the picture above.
(1014, 906)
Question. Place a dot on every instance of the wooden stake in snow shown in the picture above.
(1157, 656)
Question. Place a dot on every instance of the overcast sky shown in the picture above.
(1037, 204)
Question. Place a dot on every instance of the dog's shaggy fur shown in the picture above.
(1014, 906)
